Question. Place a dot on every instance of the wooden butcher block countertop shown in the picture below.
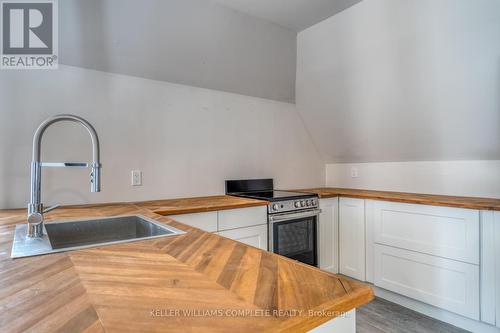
(151, 285)
(199, 204)
(424, 199)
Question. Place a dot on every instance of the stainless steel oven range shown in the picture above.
(293, 218)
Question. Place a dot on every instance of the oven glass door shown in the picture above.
(296, 239)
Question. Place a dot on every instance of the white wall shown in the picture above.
(403, 80)
(186, 140)
(463, 178)
(194, 42)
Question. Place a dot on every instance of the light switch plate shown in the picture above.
(354, 172)
(136, 178)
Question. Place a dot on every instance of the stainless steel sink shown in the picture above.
(75, 235)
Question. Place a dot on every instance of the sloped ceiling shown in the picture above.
(293, 14)
(193, 42)
(389, 80)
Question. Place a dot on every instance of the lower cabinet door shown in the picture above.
(447, 284)
(352, 237)
(328, 235)
(489, 259)
(255, 236)
(497, 274)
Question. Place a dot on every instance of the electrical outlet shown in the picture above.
(136, 178)
(354, 172)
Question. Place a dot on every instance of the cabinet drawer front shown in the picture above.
(242, 217)
(442, 231)
(444, 283)
(204, 221)
(255, 236)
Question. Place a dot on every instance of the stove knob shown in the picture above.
(275, 207)
(297, 204)
(308, 203)
(302, 203)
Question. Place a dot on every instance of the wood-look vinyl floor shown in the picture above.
(381, 316)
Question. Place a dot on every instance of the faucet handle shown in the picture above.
(51, 208)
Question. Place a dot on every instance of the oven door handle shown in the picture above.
(293, 216)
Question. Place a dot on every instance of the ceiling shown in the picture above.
(296, 15)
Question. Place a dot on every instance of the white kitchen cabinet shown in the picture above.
(447, 284)
(246, 225)
(255, 236)
(352, 237)
(428, 253)
(369, 239)
(490, 267)
(206, 221)
(225, 219)
(497, 265)
(329, 235)
(242, 217)
(447, 232)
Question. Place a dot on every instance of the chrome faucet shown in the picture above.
(35, 207)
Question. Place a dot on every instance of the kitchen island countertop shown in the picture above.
(193, 282)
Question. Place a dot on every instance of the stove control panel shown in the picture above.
(293, 205)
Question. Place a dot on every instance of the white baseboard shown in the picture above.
(432, 311)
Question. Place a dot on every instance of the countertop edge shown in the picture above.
(204, 204)
(181, 211)
(358, 298)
